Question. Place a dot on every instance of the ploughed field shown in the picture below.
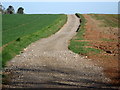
(98, 39)
(21, 30)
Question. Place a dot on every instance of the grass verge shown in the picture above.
(77, 44)
(16, 46)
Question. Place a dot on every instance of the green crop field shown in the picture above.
(21, 30)
(15, 26)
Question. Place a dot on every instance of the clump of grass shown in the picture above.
(106, 39)
(78, 46)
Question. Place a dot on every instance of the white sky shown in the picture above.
(59, 0)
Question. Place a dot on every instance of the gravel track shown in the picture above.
(47, 63)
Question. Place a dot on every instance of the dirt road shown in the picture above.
(48, 63)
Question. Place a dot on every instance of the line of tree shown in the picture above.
(2, 9)
(11, 10)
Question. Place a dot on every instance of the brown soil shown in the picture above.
(108, 59)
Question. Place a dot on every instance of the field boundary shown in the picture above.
(77, 44)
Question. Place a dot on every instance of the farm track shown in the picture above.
(48, 63)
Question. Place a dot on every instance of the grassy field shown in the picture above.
(77, 44)
(21, 30)
(108, 19)
(16, 26)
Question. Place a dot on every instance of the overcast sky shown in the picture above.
(59, 0)
(65, 7)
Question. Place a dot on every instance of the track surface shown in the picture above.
(47, 63)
